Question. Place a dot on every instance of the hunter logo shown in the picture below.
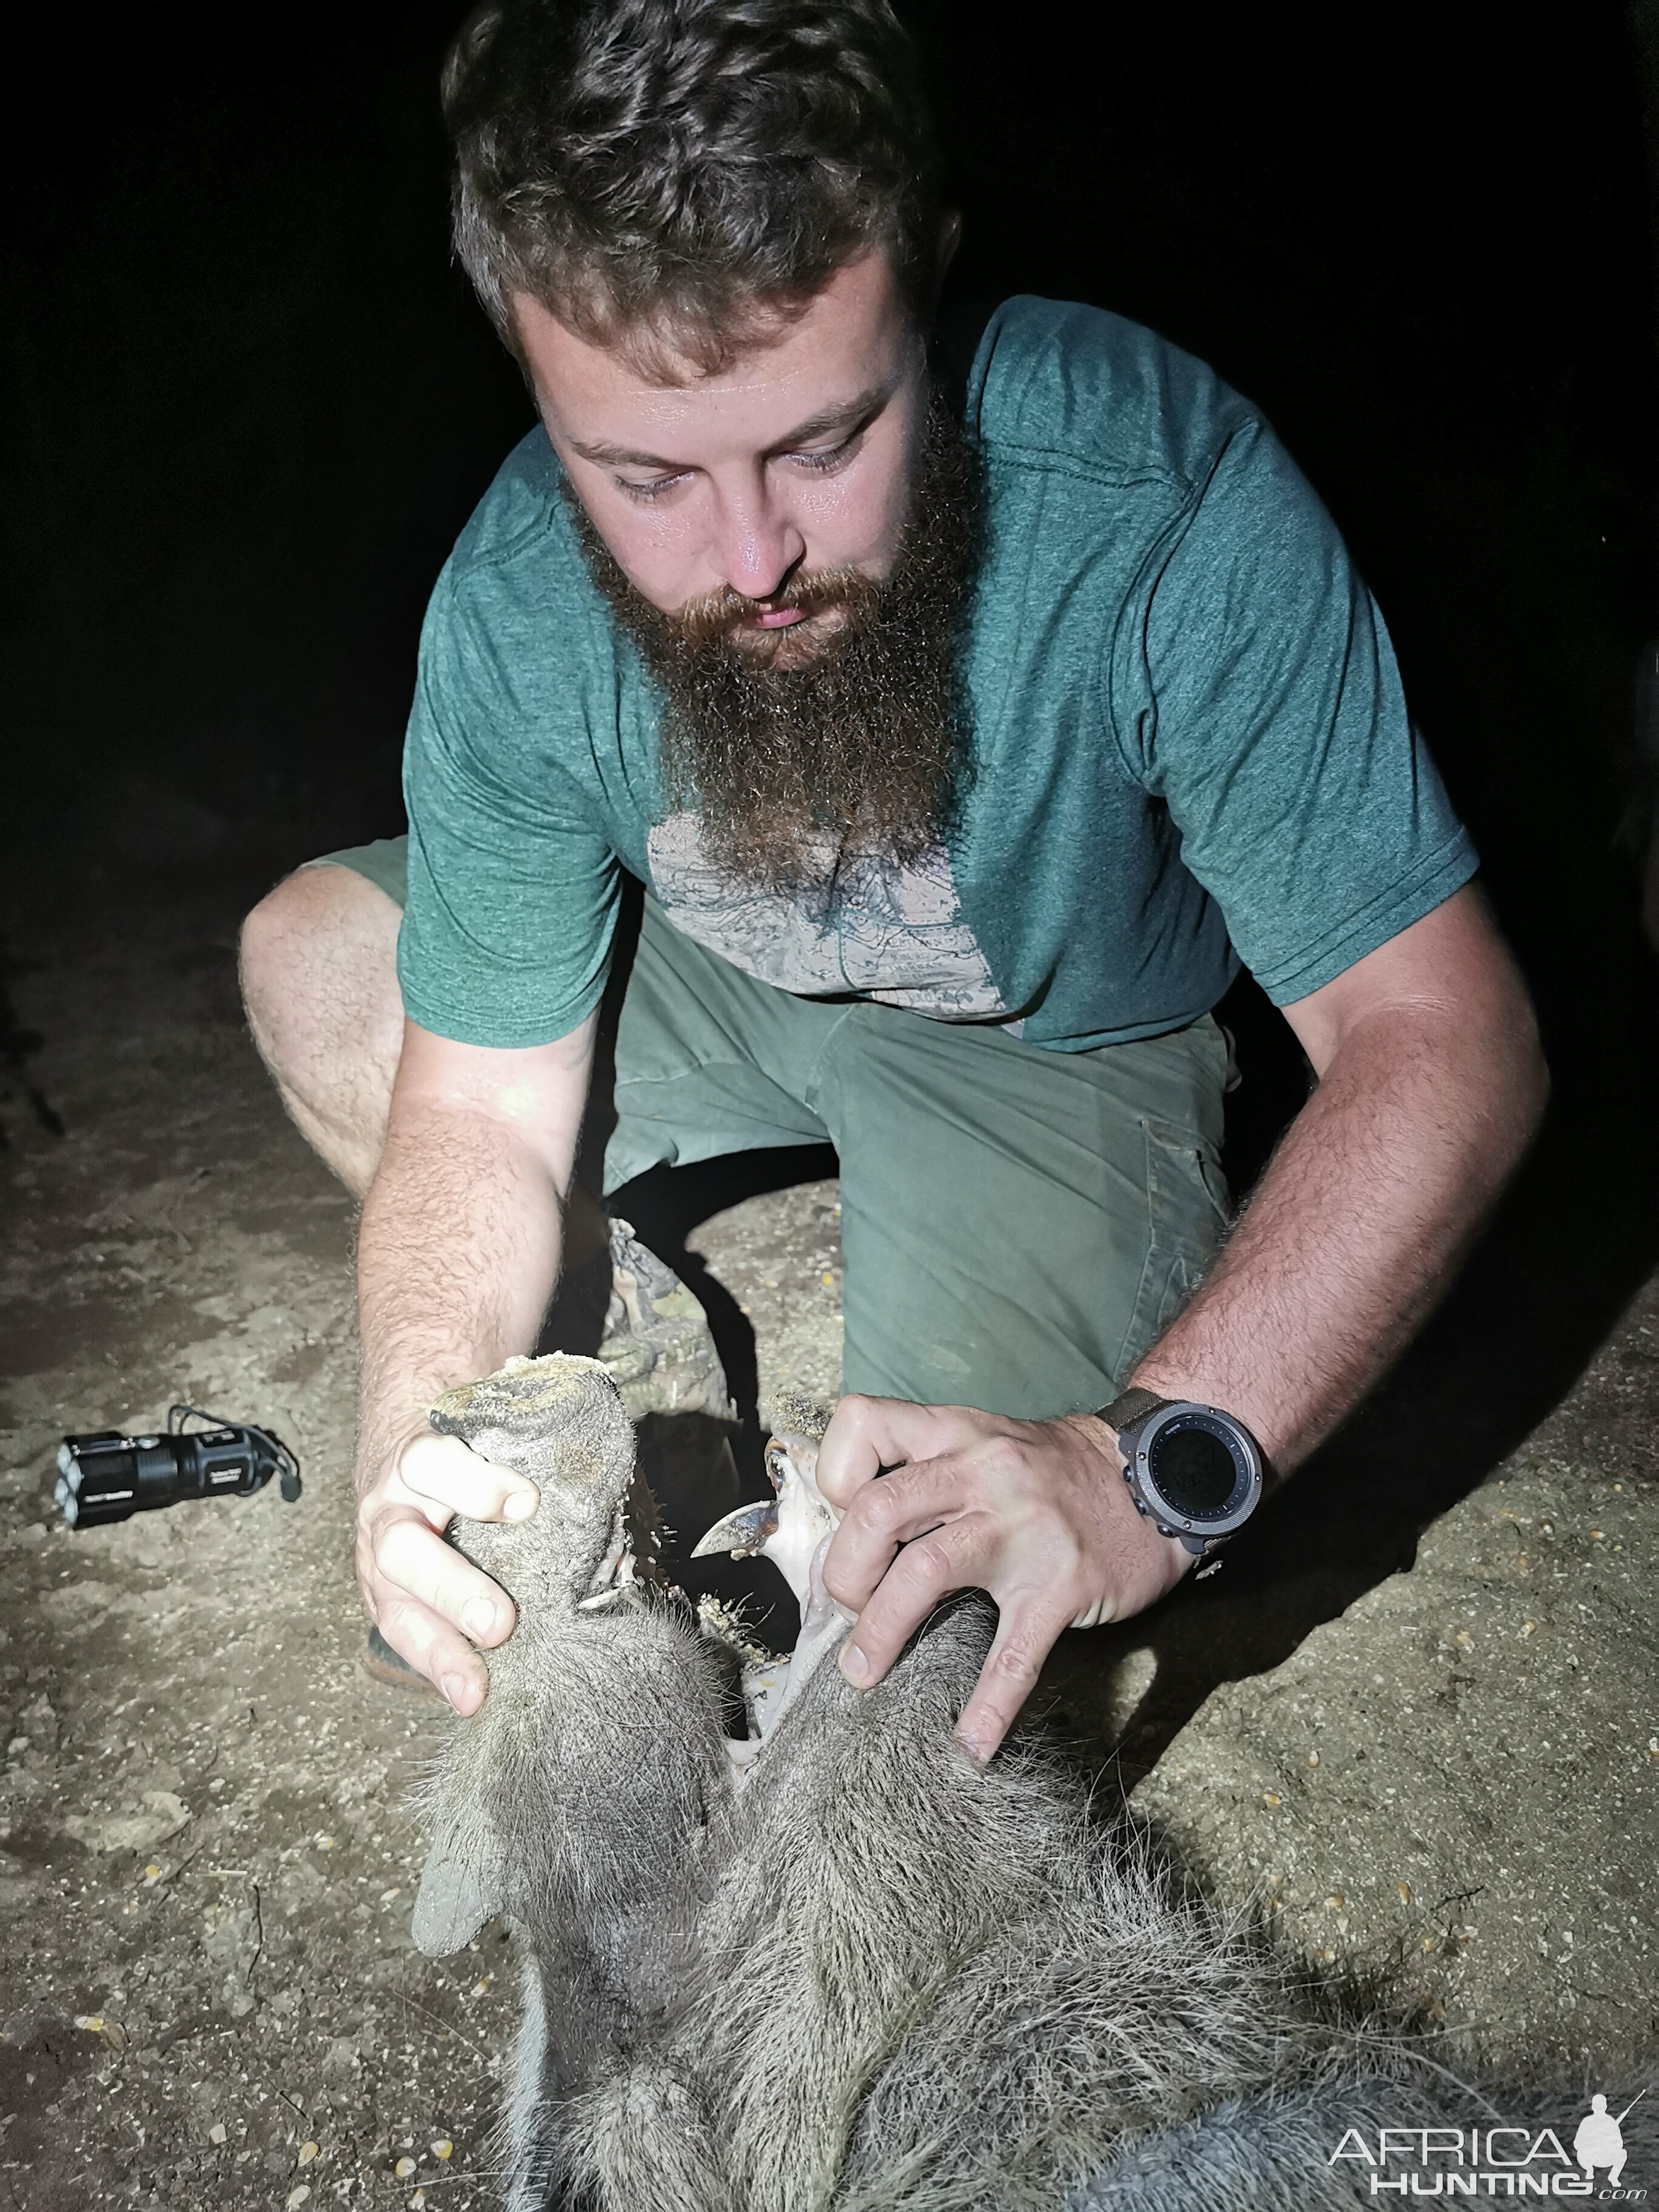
(1600, 2140)
(1497, 2161)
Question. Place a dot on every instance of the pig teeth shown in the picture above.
(785, 1529)
(615, 1570)
(742, 1534)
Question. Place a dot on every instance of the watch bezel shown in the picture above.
(1242, 1500)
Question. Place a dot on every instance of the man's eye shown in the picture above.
(830, 458)
(653, 488)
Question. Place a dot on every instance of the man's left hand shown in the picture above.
(1036, 1512)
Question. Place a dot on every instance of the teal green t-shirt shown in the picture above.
(1191, 744)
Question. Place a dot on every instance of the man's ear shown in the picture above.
(461, 1888)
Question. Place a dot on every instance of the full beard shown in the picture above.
(802, 752)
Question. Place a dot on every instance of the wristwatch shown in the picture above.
(1195, 1471)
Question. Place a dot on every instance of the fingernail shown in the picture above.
(479, 1617)
(521, 1505)
(976, 1752)
(853, 1664)
(454, 1688)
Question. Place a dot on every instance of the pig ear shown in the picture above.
(460, 1890)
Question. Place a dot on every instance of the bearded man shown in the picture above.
(966, 737)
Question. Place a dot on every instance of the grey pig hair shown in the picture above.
(854, 1972)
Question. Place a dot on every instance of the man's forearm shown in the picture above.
(1353, 1233)
(458, 1255)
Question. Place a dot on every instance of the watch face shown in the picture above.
(1199, 1466)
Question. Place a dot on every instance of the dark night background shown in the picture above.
(249, 402)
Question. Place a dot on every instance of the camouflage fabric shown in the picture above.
(657, 1344)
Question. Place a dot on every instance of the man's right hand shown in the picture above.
(431, 1605)
(478, 1153)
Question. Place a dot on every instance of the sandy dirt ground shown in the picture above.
(207, 1856)
(207, 1859)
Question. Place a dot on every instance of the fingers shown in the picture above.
(1026, 1633)
(429, 1603)
(451, 1474)
(885, 1515)
(433, 1648)
(1027, 1511)
(416, 1563)
(953, 1556)
(867, 1434)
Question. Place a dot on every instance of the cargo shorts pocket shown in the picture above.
(1188, 1211)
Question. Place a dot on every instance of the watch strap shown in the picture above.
(1132, 1407)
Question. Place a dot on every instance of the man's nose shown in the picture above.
(758, 545)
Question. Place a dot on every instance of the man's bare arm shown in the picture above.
(458, 1255)
(1431, 1083)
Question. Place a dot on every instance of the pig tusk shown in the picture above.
(742, 1534)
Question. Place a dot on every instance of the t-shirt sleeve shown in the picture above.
(512, 889)
(1278, 732)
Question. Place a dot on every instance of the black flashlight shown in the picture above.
(108, 1476)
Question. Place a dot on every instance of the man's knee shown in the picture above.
(319, 953)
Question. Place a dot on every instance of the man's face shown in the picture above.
(746, 502)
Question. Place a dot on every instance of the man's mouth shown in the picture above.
(818, 620)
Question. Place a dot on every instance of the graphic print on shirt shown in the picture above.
(891, 933)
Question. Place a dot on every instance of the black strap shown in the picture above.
(1134, 1405)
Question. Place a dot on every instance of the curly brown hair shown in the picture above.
(671, 175)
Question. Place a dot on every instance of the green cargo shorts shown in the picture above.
(1018, 1226)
